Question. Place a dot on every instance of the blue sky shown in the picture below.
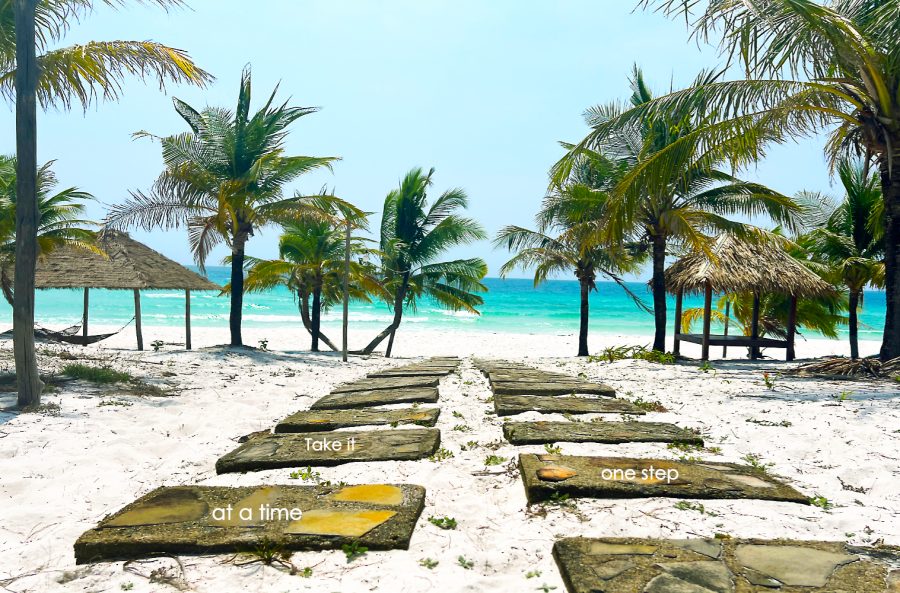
(481, 90)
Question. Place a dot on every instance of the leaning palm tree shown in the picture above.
(679, 207)
(849, 243)
(84, 72)
(224, 180)
(811, 67)
(413, 236)
(311, 265)
(59, 218)
(56, 77)
(564, 239)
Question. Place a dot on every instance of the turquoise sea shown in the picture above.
(511, 305)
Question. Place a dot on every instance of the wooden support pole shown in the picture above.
(187, 319)
(84, 315)
(754, 327)
(707, 318)
(346, 296)
(676, 346)
(137, 319)
(792, 328)
(727, 315)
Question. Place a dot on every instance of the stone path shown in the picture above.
(508, 405)
(549, 476)
(195, 520)
(626, 565)
(530, 433)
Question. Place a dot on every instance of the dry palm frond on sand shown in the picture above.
(847, 367)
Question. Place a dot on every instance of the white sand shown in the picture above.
(59, 475)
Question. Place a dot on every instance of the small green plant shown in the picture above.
(643, 353)
(683, 505)
(104, 374)
(264, 345)
(532, 574)
(467, 564)
(458, 414)
(462, 428)
(649, 405)
(756, 464)
(769, 380)
(428, 563)
(307, 475)
(821, 502)
(494, 460)
(705, 367)
(844, 396)
(546, 588)
(443, 522)
(268, 552)
(306, 572)
(611, 354)
(552, 449)
(441, 454)
(353, 550)
(127, 586)
(469, 446)
(559, 500)
(157, 345)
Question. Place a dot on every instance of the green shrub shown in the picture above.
(102, 374)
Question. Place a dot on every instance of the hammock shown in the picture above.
(70, 335)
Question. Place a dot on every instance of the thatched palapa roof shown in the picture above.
(743, 266)
(127, 264)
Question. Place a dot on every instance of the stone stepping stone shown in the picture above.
(507, 405)
(629, 565)
(623, 477)
(312, 421)
(194, 520)
(412, 372)
(377, 397)
(329, 448)
(387, 383)
(540, 432)
(567, 387)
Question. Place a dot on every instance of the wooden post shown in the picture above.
(792, 328)
(676, 346)
(707, 318)
(727, 315)
(84, 315)
(187, 319)
(137, 319)
(28, 380)
(754, 327)
(346, 288)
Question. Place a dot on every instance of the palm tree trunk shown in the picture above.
(890, 188)
(398, 317)
(237, 290)
(27, 376)
(307, 321)
(316, 317)
(853, 325)
(659, 291)
(585, 312)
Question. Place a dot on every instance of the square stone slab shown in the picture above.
(378, 397)
(319, 420)
(625, 477)
(387, 383)
(330, 448)
(194, 520)
(507, 405)
(531, 433)
(412, 372)
(562, 387)
(630, 565)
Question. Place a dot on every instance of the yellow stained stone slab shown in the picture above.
(370, 493)
(605, 549)
(336, 522)
(170, 507)
(245, 512)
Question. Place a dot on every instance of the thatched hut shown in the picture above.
(739, 266)
(125, 264)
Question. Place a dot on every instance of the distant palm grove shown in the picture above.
(657, 176)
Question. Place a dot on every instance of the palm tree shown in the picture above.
(311, 264)
(56, 77)
(850, 242)
(810, 67)
(563, 241)
(224, 180)
(84, 72)
(413, 236)
(59, 218)
(678, 207)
